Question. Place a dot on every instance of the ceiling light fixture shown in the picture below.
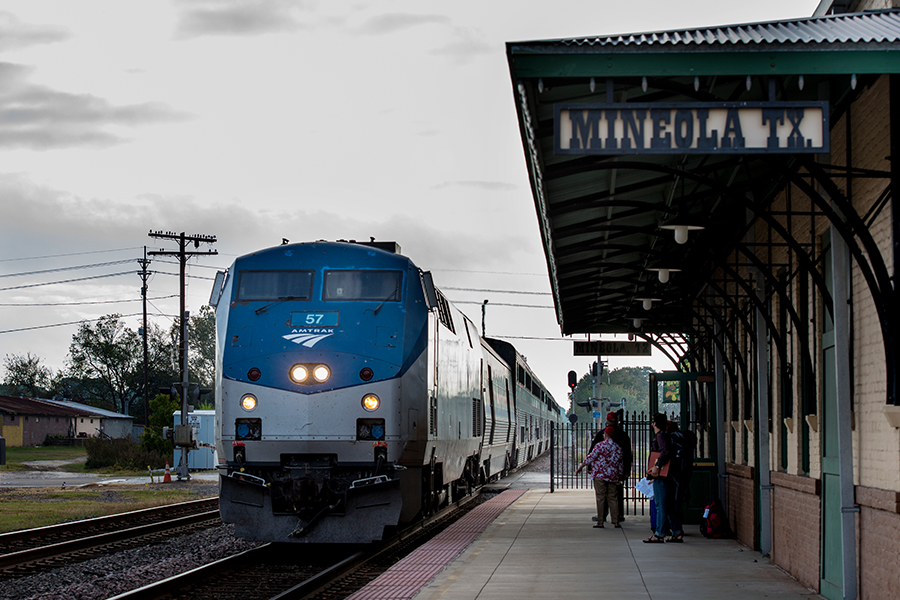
(663, 273)
(647, 303)
(681, 226)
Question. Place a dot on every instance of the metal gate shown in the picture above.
(570, 444)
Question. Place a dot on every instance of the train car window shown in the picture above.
(374, 286)
(520, 375)
(274, 285)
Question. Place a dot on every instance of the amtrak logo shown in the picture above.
(309, 338)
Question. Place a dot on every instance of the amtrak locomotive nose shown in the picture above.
(351, 396)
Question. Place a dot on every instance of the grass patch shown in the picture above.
(16, 456)
(20, 454)
(26, 508)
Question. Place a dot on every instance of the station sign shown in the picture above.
(691, 128)
(612, 348)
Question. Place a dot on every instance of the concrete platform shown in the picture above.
(543, 545)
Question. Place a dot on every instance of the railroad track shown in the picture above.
(285, 571)
(34, 550)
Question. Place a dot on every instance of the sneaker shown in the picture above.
(593, 518)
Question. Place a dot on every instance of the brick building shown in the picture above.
(29, 422)
(726, 194)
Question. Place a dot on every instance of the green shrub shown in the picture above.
(162, 408)
(122, 453)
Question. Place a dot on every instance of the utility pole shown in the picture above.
(144, 274)
(182, 436)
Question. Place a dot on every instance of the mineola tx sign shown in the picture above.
(691, 128)
(611, 348)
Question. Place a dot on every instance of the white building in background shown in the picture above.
(99, 421)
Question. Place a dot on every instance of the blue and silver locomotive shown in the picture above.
(351, 396)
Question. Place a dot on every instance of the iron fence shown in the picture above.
(571, 443)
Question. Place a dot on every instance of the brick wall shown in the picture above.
(36, 429)
(795, 526)
(879, 542)
(741, 503)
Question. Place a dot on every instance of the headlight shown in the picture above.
(321, 373)
(248, 402)
(299, 373)
(370, 402)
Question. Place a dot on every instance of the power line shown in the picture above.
(458, 289)
(90, 302)
(172, 262)
(502, 304)
(106, 264)
(526, 337)
(489, 272)
(20, 287)
(74, 323)
(188, 276)
(70, 254)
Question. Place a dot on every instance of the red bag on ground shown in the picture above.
(713, 523)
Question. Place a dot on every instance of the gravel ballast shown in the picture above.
(102, 578)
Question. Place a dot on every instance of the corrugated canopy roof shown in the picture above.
(870, 26)
(599, 215)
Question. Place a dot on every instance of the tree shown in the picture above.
(202, 347)
(26, 376)
(162, 409)
(107, 354)
(162, 369)
(631, 383)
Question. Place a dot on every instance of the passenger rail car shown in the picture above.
(351, 396)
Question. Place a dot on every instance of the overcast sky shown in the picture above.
(256, 121)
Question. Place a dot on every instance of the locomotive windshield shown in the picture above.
(274, 285)
(380, 286)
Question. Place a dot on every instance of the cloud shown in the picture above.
(237, 18)
(487, 186)
(467, 45)
(40, 118)
(14, 34)
(394, 22)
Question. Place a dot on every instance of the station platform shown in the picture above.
(529, 543)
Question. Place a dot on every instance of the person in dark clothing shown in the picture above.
(680, 471)
(663, 487)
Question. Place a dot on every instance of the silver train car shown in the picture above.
(352, 397)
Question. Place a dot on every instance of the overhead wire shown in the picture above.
(69, 254)
(73, 323)
(31, 285)
(459, 289)
(501, 304)
(75, 268)
(88, 302)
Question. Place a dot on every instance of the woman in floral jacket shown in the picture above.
(605, 461)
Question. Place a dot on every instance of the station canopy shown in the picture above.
(608, 195)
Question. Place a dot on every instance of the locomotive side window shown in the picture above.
(274, 285)
(444, 313)
(375, 286)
